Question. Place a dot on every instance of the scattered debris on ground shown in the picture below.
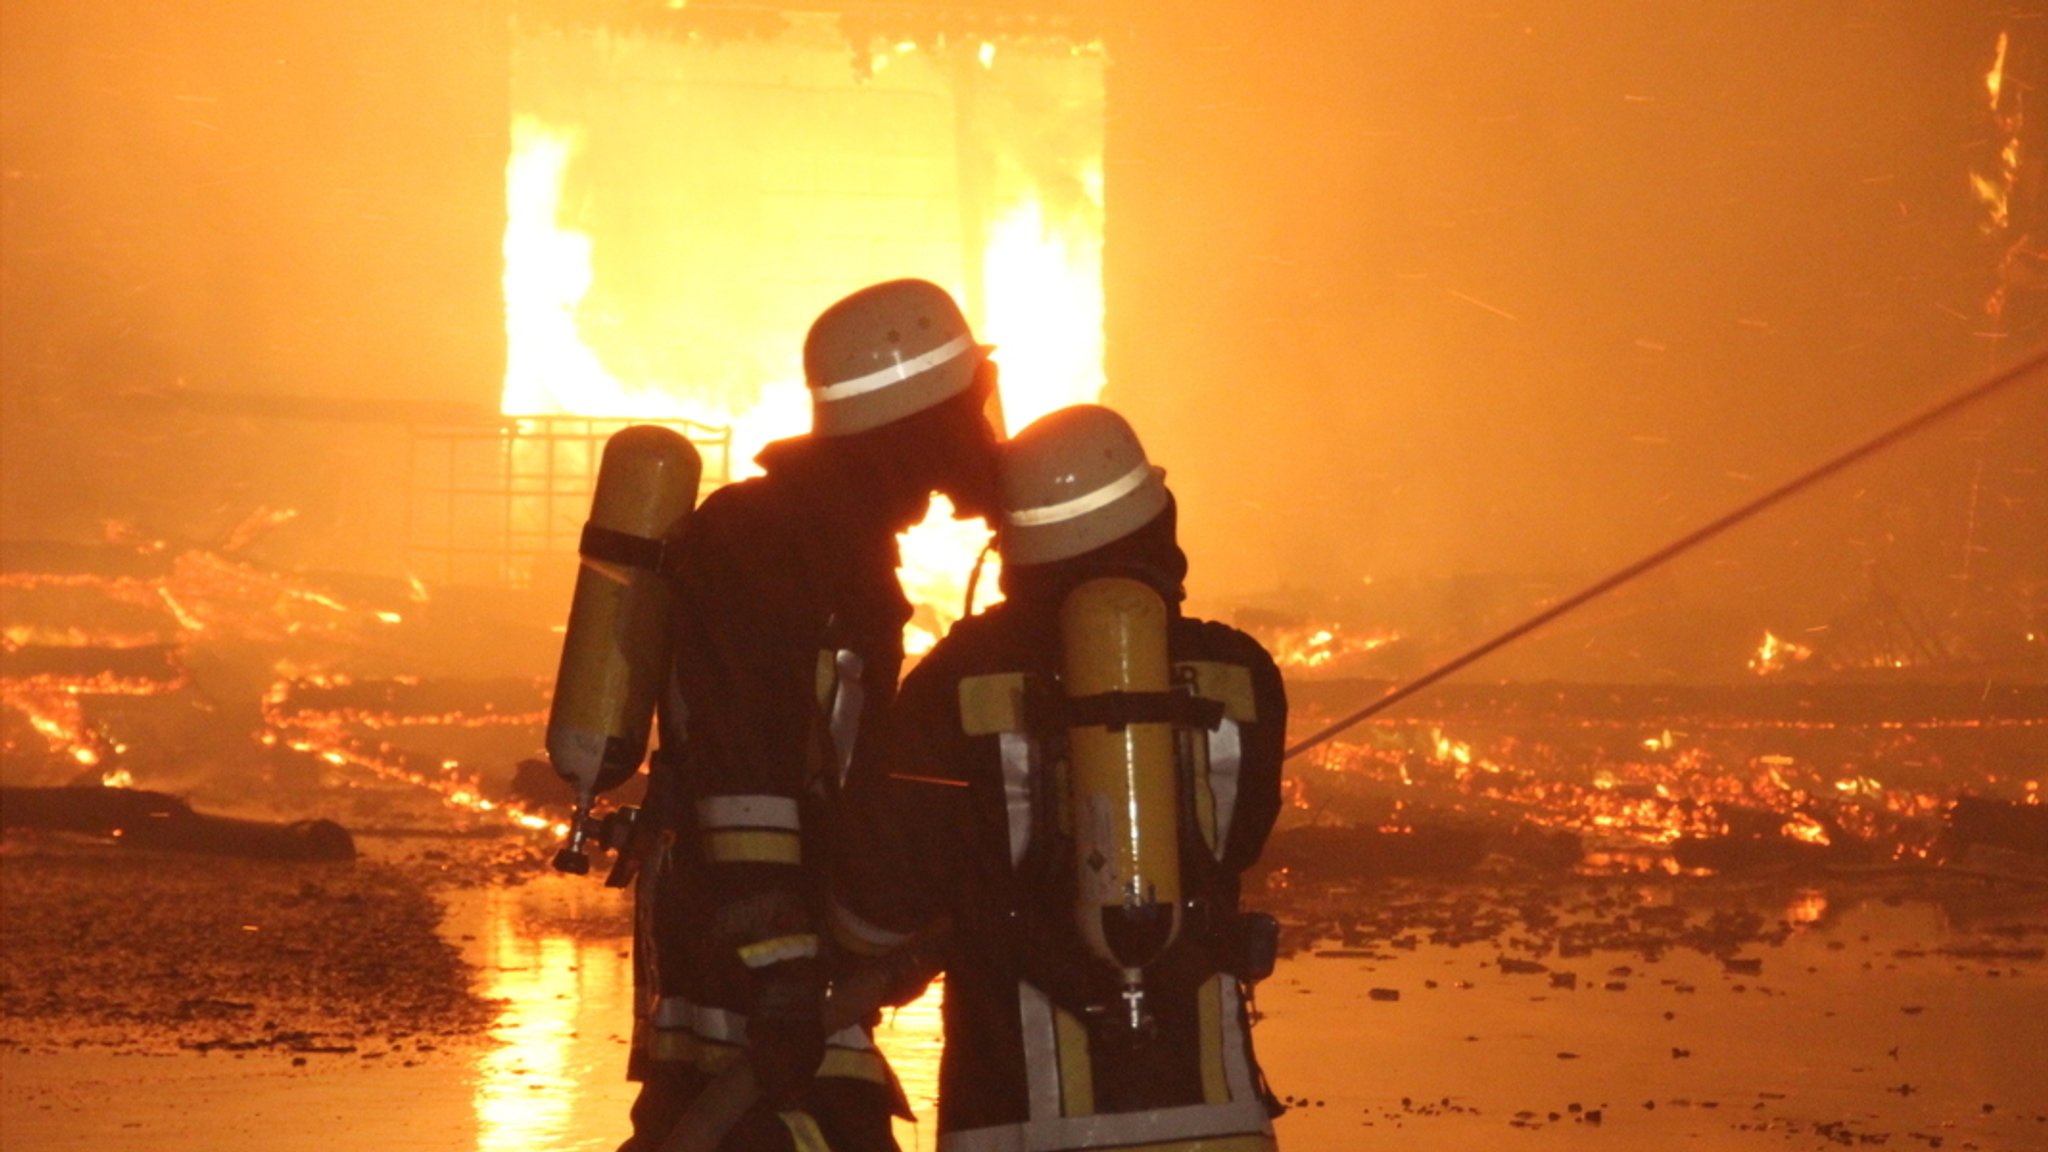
(149, 952)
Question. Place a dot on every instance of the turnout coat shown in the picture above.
(788, 630)
(954, 850)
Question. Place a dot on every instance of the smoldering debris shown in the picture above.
(1533, 923)
(139, 819)
(145, 952)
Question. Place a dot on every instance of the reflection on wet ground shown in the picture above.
(1902, 1012)
(558, 1041)
(555, 954)
(1902, 1023)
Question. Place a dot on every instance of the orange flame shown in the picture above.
(1322, 646)
(1994, 80)
(1042, 273)
(1799, 826)
(1775, 655)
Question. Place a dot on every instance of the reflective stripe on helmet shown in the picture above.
(1085, 503)
(895, 373)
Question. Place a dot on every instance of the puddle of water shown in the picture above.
(1854, 1027)
(554, 1074)
(913, 1037)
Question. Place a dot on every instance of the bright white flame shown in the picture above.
(1042, 273)
(1044, 302)
(547, 273)
(1994, 80)
(1775, 655)
(937, 555)
(913, 1035)
(549, 367)
(525, 1088)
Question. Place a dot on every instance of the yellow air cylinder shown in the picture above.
(1122, 780)
(615, 653)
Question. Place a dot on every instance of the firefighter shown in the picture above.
(1096, 996)
(788, 643)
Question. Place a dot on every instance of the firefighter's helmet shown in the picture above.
(885, 352)
(1072, 481)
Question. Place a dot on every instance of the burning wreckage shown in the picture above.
(150, 664)
(218, 699)
(136, 671)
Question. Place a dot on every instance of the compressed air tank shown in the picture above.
(1123, 788)
(615, 653)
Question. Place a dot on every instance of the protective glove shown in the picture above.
(785, 1034)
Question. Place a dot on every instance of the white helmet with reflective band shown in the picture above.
(1072, 481)
(885, 352)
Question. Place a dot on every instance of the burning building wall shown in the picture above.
(1434, 312)
(687, 190)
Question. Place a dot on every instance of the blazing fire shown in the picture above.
(549, 368)
(1995, 191)
(340, 721)
(1320, 647)
(144, 631)
(1867, 782)
(1632, 799)
(1042, 272)
(1775, 655)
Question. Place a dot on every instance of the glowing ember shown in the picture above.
(1321, 647)
(1632, 799)
(337, 720)
(2022, 259)
(1995, 191)
(1994, 80)
(1449, 751)
(1802, 827)
(1775, 655)
(1808, 906)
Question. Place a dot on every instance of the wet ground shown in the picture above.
(148, 1007)
(1871, 1010)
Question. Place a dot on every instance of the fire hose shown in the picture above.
(2025, 369)
(733, 1091)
